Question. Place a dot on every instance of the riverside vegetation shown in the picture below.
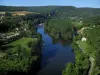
(20, 44)
(66, 22)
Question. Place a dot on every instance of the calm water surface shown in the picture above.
(54, 56)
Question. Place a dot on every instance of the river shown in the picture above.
(54, 56)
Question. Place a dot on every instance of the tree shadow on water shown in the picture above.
(47, 56)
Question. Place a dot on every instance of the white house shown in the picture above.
(16, 34)
(17, 29)
(24, 29)
(83, 39)
(93, 25)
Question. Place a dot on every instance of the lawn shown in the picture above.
(16, 53)
(23, 42)
(13, 47)
(85, 47)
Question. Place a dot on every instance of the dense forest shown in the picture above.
(38, 9)
(56, 31)
(64, 12)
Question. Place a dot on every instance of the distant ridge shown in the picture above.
(62, 12)
(47, 6)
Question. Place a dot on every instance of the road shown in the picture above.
(92, 64)
(91, 60)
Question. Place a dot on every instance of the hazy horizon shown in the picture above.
(75, 3)
(49, 5)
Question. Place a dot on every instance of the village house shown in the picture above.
(83, 39)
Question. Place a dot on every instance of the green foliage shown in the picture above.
(19, 57)
(61, 24)
(26, 33)
(92, 21)
(86, 47)
(82, 63)
(38, 9)
(64, 12)
(80, 67)
(77, 24)
(60, 28)
(91, 47)
(69, 69)
(10, 23)
(8, 14)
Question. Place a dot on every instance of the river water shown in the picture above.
(54, 56)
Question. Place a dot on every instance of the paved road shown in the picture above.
(92, 64)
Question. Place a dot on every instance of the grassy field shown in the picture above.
(13, 47)
(85, 47)
(22, 13)
(18, 50)
(23, 42)
(2, 12)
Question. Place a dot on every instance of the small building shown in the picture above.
(93, 25)
(24, 29)
(80, 21)
(83, 39)
(17, 29)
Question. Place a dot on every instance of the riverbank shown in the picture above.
(54, 55)
(86, 49)
(83, 64)
(19, 50)
(19, 55)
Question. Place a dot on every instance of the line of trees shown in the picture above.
(82, 63)
(24, 52)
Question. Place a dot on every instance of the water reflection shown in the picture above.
(60, 40)
(55, 54)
